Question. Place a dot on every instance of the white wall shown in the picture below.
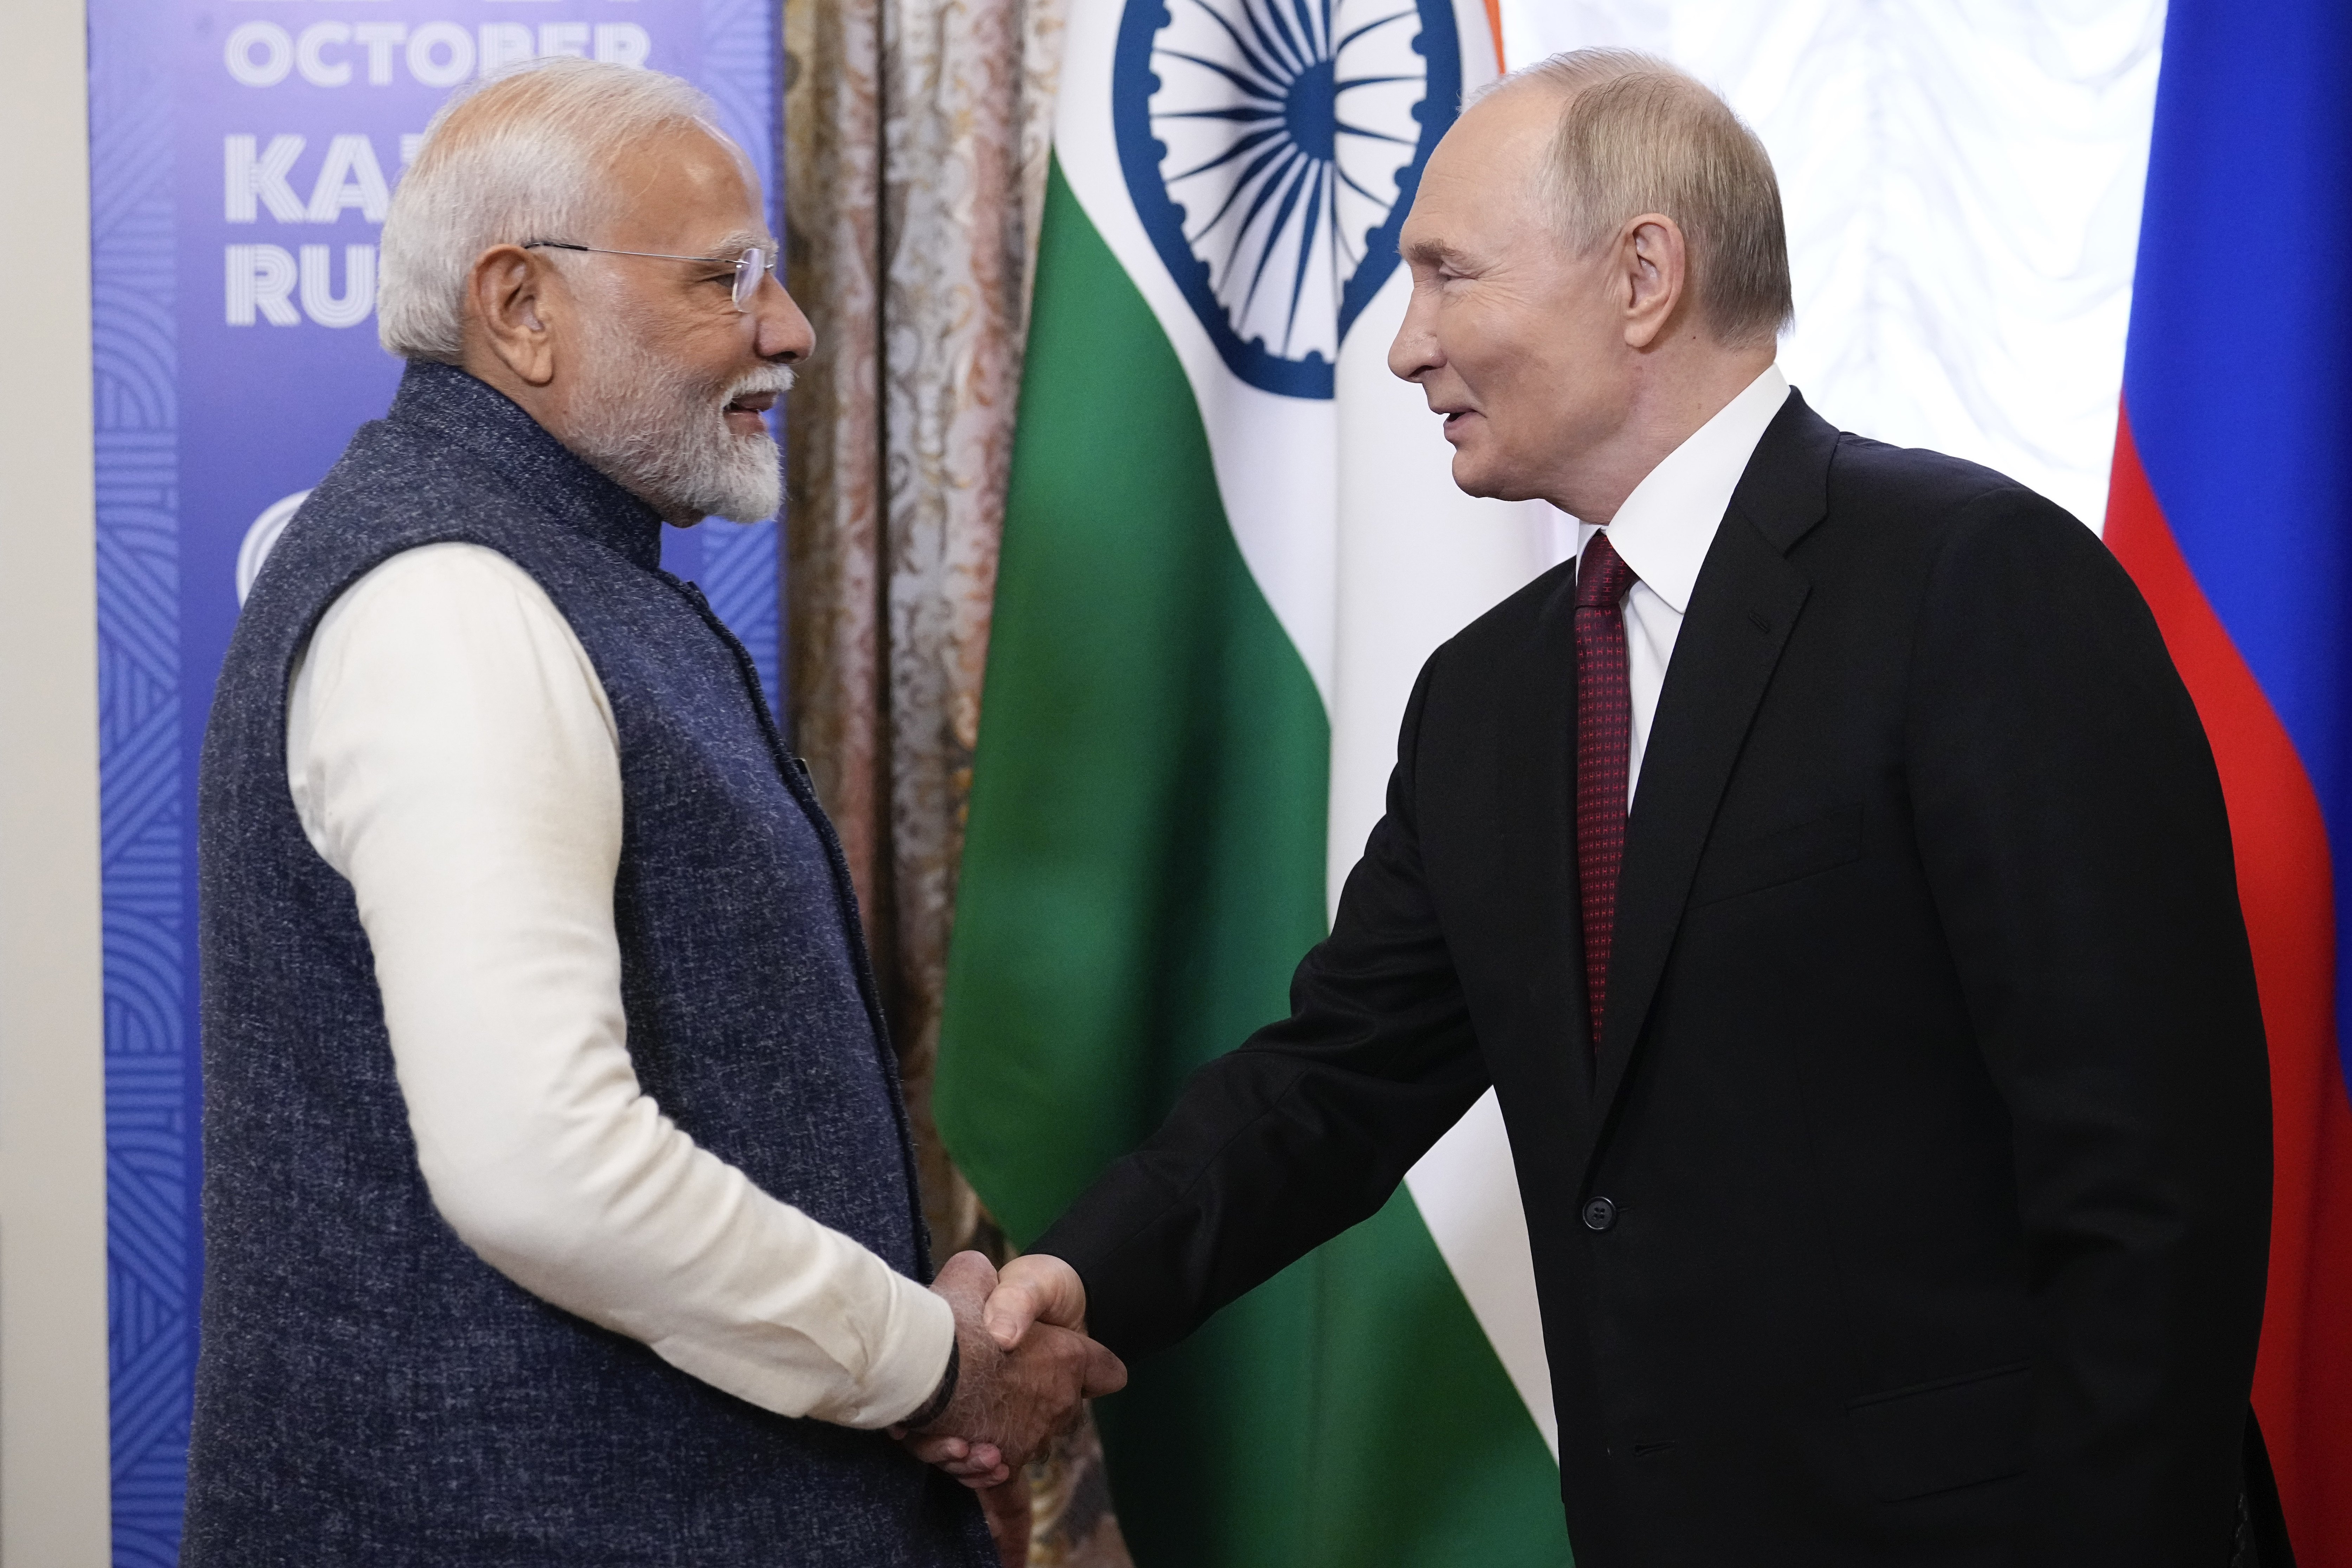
(53, 1416)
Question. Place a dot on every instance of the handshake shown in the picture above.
(1025, 1366)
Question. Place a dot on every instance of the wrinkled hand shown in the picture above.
(1026, 1367)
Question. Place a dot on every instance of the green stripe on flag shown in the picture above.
(1144, 862)
(1144, 867)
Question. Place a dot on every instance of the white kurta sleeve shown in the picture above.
(451, 753)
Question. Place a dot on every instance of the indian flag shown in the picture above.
(1232, 539)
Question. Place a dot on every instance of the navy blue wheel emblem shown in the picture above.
(1272, 149)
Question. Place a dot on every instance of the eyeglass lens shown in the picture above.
(748, 270)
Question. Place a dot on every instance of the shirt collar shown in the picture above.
(1665, 526)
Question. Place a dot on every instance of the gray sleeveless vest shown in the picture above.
(369, 1390)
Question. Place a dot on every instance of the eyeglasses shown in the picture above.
(750, 266)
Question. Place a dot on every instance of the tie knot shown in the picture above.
(1601, 576)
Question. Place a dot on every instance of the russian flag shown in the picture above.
(2232, 506)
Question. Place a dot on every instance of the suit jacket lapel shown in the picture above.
(1746, 599)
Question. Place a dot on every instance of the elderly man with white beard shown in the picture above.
(559, 1205)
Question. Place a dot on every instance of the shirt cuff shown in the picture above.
(911, 1359)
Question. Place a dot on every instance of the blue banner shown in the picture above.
(242, 156)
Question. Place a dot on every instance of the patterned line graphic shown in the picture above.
(151, 1251)
(738, 578)
(741, 56)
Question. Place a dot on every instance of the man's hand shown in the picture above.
(1035, 1288)
(1023, 1375)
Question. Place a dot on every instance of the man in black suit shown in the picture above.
(1887, 1086)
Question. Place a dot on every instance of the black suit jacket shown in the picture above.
(1914, 1207)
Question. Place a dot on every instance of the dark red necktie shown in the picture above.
(1604, 749)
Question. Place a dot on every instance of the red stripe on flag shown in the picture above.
(2303, 1379)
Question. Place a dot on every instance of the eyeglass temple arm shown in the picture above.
(650, 255)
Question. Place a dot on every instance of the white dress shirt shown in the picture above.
(452, 755)
(1663, 533)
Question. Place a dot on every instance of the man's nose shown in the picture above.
(1414, 352)
(785, 334)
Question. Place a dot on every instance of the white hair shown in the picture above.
(518, 158)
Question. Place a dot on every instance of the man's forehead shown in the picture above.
(1501, 134)
(691, 183)
(1475, 181)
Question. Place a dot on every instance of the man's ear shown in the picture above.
(513, 293)
(1655, 263)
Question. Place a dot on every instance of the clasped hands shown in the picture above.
(1026, 1366)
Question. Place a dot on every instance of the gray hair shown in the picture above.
(1637, 135)
(518, 158)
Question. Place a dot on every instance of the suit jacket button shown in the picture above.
(1599, 1215)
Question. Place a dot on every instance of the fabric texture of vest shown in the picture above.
(368, 1390)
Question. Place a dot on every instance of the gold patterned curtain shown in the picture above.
(915, 140)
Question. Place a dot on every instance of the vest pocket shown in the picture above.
(1952, 1433)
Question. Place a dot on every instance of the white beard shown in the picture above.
(665, 438)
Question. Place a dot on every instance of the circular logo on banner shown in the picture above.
(1272, 148)
(261, 538)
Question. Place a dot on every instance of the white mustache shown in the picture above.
(777, 380)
